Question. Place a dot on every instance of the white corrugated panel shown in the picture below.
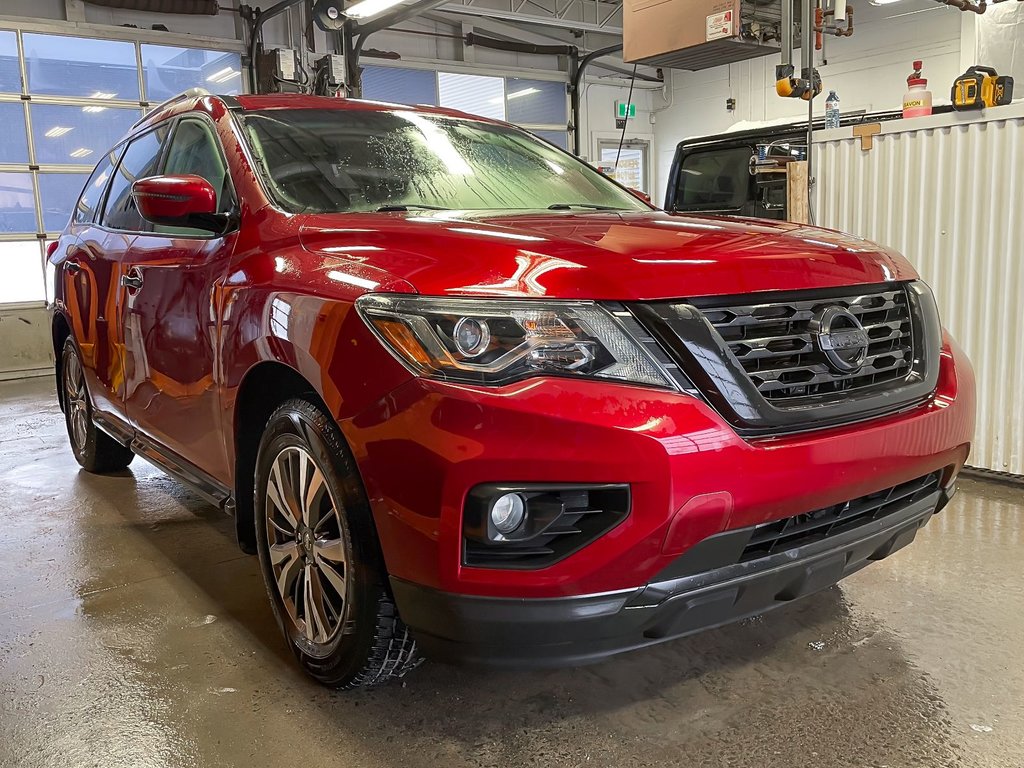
(947, 192)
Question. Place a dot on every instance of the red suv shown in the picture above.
(463, 394)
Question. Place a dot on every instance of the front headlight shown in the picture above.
(484, 341)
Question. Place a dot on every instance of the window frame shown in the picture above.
(230, 193)
(19, 93)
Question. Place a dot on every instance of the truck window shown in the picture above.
(717, 179)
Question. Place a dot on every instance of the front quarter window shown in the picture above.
(355, 160)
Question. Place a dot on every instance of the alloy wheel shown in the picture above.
(76, 401)
(307, 547)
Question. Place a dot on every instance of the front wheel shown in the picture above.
(320, 556)
(93, 449)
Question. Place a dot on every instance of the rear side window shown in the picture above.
(714, 180)
(92, 195)
(195, 151)
(140, 160)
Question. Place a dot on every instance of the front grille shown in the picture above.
(774, 344)
(799, 530)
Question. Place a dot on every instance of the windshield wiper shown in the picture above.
(590, 206)
(410, 207)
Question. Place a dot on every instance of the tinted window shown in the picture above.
(140, 160)
(169, 71)
(92, 195)
(195, 150)
(714, 180)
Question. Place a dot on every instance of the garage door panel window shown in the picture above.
(475, 94)
(168, 71)
(536, 102)
(13, 139)
(398, 85)
(58, 65)
(17, 203)
(72, 135)
(58, 193)
(140, 161)
(10, 72)
(23, 271)
(539, 105)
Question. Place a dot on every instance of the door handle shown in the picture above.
(72, 267)
(132, 281)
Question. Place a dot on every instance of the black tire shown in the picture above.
(334, 607)
(95, 450)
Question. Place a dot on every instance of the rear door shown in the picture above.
(171, 315)
(88, 292)
(104, 247)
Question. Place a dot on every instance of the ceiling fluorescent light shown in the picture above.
(515, 95)
(223, 75)
(81, 152)
(884, 2)
(102, 95)
(364, 9)
(57, 131)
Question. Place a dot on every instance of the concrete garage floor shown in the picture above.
(134, 633)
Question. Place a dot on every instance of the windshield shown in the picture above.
(333, 160)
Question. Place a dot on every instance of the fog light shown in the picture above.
(508, 513)
(472, 337)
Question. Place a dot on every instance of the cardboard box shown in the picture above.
(689, 34)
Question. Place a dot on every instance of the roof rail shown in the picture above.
(191, 93)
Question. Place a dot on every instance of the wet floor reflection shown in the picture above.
(133, 633)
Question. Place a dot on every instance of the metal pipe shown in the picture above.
(513, 46)
(574, 93)
(194, 7)
(807, 73)
(257, 30)
(787, 32)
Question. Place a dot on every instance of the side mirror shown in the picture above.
(179, 201)
(641, 194)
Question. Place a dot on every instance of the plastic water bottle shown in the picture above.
(832, 110)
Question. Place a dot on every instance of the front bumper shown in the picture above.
(587, 628)
(424, 446)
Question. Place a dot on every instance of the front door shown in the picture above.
(170, 316)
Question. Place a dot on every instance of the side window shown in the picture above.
(195, 151)
(719, 179)
(92, 195)
(140, 160)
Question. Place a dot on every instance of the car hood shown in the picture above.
(594, 255)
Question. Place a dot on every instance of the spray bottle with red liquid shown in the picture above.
(917, 102)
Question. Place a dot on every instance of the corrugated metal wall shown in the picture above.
(948, 192)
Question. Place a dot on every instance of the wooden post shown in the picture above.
(797, 203)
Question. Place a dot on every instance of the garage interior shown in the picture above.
(134, 632)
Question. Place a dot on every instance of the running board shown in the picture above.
(211, 489)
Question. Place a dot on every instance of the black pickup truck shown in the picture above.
(712, 174)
